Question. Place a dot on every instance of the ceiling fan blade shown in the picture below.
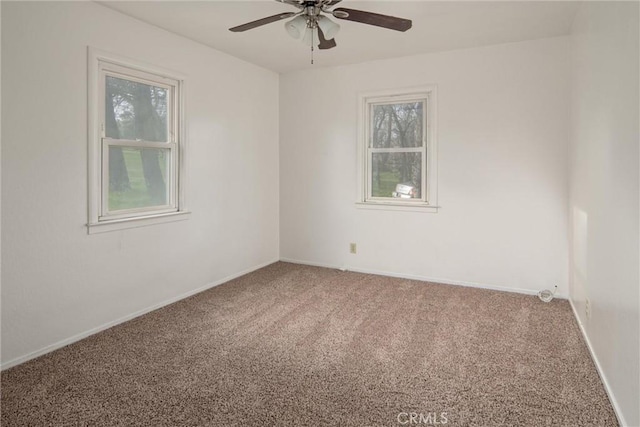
(263, 21)
(324, 43)
(385, 21)
(333, 3)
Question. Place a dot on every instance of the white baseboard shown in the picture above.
(422, 278)
(603, 377)
(108, 325)
(85, 334)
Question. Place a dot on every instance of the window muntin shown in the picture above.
(139, 142)
(126, 138)
(396, 154)
(397, 150)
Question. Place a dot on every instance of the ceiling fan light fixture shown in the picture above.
(328, 27)
(310, 36)
(296, 27)
(311, 22)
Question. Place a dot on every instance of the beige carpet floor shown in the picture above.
(292, 345)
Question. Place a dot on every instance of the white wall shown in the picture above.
(502, 119)
(502, 123)
(57, 281)
(604, 191)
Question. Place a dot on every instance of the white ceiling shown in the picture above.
(437, 26)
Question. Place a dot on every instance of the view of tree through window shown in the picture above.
(396, 141)
(137, 112)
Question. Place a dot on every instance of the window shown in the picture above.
(135, 145)
(397, 150)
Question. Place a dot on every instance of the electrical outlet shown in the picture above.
(587, 308)
(352, 248)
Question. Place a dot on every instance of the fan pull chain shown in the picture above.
(311, 47)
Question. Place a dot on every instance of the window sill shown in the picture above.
(391, 206)
(141, 221)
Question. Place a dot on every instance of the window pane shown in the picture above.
(397, 125)
(135, 110)
(396, 175)
(138, 177)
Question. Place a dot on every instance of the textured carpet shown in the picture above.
(294, 345)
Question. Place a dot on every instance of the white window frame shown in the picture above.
(103, 64)
(429, 189)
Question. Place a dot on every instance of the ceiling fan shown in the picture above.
(312, 24)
